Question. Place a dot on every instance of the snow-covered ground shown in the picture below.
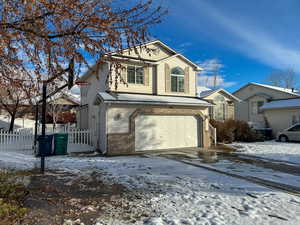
(176, 193)
(19, 123)
(288, 152)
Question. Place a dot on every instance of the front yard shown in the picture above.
(142, 190)
(287, 152)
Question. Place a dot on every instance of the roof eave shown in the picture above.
(156, 103)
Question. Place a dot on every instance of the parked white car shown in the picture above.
(290, 134)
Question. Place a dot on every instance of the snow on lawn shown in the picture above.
(289, 152)
(176, 193)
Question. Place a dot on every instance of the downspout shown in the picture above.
(106, 130)
(196, 81)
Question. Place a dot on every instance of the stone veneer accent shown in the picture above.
(124, 143)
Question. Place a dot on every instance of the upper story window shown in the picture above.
(135, 75)
(177, 80)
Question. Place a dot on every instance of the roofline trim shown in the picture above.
(226, 92)
(261, 85)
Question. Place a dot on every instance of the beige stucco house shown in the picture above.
(223, 103)
(157, 107)
(253, 96)
(282, 114)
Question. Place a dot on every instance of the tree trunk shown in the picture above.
(12, 123)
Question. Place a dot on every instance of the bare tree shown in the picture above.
(45, 36)
(283, 78)
(18, 93)
(55, 111)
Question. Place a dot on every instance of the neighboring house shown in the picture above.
(61, 103)
(67, 100)
(253, 96)
(62, 108)
(223, 102)
(282, 114)
(157, 108)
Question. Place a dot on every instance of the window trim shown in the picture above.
(136, 68)
(255, 108)
(177, 80)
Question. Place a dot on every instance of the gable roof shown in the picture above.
(284, 90)
(208, 92)
(172, 51)
(281, 104)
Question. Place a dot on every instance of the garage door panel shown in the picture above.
(165, 132)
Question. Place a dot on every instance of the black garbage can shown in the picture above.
(45, 145)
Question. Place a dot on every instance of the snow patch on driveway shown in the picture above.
(288, 152)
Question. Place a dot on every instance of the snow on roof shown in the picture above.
(73, 97)
(201, 90)
(286, 90)
(204, 92)
(279, 104)
(150, 99)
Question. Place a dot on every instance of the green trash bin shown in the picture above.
(61, 144)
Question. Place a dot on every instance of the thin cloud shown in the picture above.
(214, 81)
(212, 76)
(210, 66)
(181, 48)
(253, 42)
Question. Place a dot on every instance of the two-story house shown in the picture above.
(156, 108)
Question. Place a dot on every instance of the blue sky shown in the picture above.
(246, 39)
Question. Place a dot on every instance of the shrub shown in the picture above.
(235, 130)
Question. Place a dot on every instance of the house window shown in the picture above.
(177, 80)
(259, 105)
(256, 107)
(135, 75)
(294, 119)
(220, 108)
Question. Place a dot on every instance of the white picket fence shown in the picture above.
(23, 140)
(80, 140)
(18, 140)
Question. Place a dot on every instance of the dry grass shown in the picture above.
(12, 196)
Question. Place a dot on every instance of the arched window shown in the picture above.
(220, 108)
(177, 80)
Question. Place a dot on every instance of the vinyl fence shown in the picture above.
(23, 140)
(80, 140)
(18, 140)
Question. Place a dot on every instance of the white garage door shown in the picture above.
(165, 132)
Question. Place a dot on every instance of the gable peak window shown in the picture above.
(135, 75)
(177, 79)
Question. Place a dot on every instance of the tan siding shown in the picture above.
(187, 80)
(146, 76)
(134, 88)
(168, 77)
(162, 89)
(124, 73)
(230, 109)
